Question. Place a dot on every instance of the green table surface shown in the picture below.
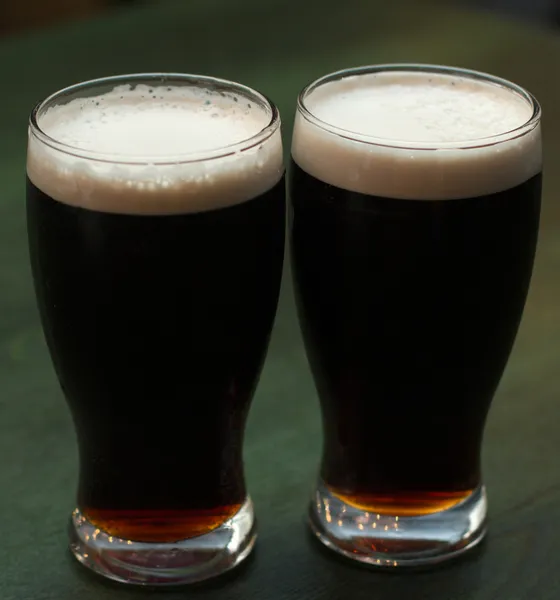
(278, 46)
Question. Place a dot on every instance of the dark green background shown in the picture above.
(278, 47)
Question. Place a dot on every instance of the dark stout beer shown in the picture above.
(411, 269)
(157, 288)
(409, 310)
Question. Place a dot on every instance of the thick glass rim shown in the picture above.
(213, 83)
(356, 136)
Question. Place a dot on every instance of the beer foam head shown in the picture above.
(417, 135)
(156, 150)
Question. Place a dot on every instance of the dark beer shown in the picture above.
(158, 327)
(157, 292)
(411, 270)
(409, 310)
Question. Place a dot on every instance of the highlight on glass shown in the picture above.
(155, 206)
(415, 195)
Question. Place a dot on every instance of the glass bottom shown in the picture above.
(164, 564)
(391, 541)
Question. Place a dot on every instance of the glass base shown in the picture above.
(394, 541)
(164, 564)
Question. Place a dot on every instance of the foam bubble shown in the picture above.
(429, 131)
(152, 150)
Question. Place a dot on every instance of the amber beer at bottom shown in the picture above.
(415, 208)
(155, 209)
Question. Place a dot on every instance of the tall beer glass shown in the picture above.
(155, 209)
(415, 208)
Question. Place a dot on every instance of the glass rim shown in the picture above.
(162, 160)
(372, 140)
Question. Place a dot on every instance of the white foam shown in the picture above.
(152, 150)
(417, 136)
